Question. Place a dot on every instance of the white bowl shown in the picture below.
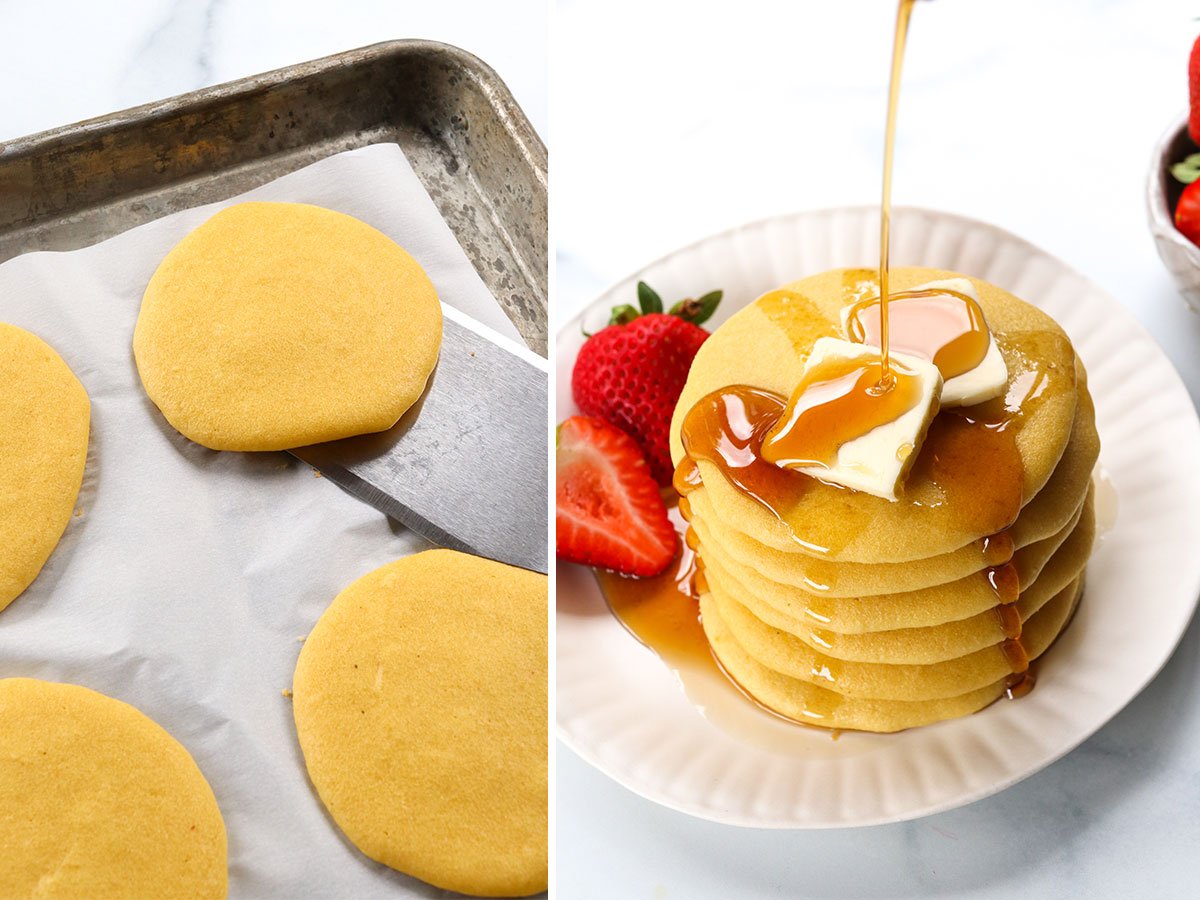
(1180, 255)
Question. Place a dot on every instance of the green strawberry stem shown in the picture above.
(648, 299)
(695, 311)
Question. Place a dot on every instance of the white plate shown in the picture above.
(624, 712)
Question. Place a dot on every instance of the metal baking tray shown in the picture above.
(466, 138)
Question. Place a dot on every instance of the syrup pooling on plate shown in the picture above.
(940, 325)
(838, 401)
(662, 613)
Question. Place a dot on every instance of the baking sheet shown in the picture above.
(188, 576)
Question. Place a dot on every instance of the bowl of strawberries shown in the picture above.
(1173, 192)
(1173, 201)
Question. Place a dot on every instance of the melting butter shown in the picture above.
(846, 427)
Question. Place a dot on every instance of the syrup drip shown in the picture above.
(686, 477)
(836, 402)
(1005, 581)
(998, 548)
(727, 428)
(942, 326)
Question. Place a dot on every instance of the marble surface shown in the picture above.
(66, 60)
(674, 120)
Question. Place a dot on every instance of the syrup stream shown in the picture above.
(885, 210)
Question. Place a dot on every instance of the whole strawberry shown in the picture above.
(632, 372)
(1194, 93)
(1187, 212)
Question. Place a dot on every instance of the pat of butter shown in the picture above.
(986, 380)
(877, 461)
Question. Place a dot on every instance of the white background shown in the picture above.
(674, 120)
(66, 60)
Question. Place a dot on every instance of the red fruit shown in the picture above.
(1194, 93)
(609, 512)
(1187, 212)
(631, 376)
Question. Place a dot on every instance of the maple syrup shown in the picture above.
(726, 428)
(662, 611)
(836, 402)
(903, 14)
(943, 326)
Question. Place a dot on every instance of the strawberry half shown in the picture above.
(632, 372)
(609, 512)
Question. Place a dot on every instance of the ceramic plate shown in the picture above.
(625, 712)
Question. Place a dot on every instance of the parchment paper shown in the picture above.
(187, 577)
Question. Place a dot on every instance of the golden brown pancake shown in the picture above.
(842, 609)
(805, 702)
(96, 800)
(950, 639)
(44, 420)
(928, 607)
(277, 325)
(420, 703)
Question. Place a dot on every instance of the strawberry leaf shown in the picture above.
(1188, 170)
(708, 306)
(698, 311)
(648, 299)
(622, 315)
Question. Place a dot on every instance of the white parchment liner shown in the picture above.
(187, 577)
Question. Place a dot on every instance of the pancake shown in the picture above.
(932, 606)
(420, 702)
(806, 702)
(765, 346)
(1043, 516)
(924, 645)
(96, 800)
(44, 420)
(790, 656)
(276, 325)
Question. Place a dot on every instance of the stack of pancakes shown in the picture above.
(846, 610)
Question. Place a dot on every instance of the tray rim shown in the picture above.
(515, 122)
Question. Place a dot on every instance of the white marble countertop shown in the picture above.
(66, 60)
(678, 121)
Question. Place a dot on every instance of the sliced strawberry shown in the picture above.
(609, 510)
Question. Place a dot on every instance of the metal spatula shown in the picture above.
(466, 467)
